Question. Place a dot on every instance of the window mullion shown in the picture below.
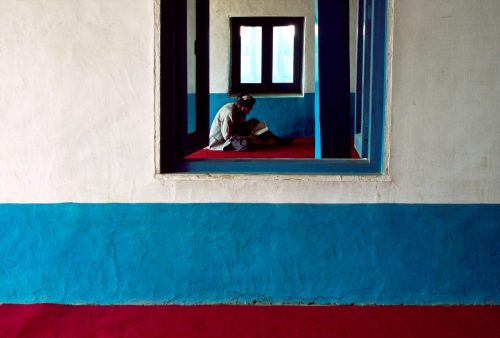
(298, 55)
(267, 55)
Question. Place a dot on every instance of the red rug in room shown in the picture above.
(300, 148)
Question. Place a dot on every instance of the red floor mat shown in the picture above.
(300, 148)
(43, 320)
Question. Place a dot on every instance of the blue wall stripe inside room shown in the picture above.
(240, 253)
(286, 116)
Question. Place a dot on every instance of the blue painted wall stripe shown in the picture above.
(286, 116)
(238, 253)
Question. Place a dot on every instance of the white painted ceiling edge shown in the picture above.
(78, 109)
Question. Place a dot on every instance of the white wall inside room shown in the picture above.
(191, 37)
(353, 47)
(77, 110)
(222, 10)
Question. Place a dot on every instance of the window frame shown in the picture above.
(172, 93)
(266, 86)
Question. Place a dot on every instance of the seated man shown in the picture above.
(231, 131)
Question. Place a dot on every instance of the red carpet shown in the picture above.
(42, 320)
(300, 148)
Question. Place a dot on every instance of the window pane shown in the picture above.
(251, 54)
(283, 46)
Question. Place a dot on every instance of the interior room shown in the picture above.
(288, 112)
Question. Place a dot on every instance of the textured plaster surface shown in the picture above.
(77, 110)
(240, 253)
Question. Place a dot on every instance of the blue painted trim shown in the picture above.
(368, 81)
(379, 84)
(358, 139)
(240, 253)
(191, 113)
(317, 124)
(280, 166)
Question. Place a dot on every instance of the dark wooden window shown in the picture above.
(267, 82)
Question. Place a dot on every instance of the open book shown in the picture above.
(260, 128)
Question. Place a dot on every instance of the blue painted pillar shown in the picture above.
(334, 78)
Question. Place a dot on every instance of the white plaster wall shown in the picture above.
(77, 110)
(353, 40)
(76, 99)
(191, 37)
(222, 10)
